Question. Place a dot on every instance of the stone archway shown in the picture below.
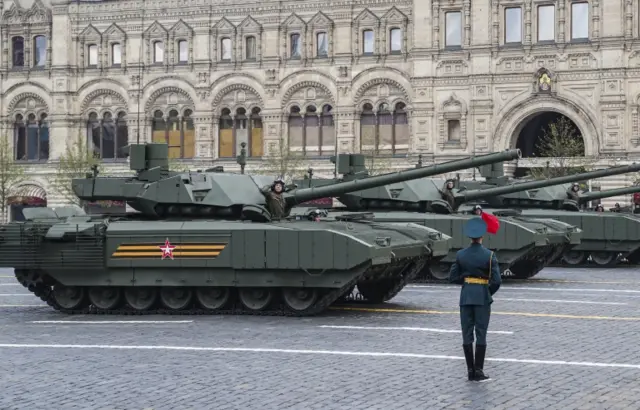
(544, 134)
(517, 115)
(27, 195)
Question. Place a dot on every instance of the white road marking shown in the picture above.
(561, 301)
(542, 289)
(16, 294)
(420, 329)
(314, 352)
(109, 322)
(10, 284)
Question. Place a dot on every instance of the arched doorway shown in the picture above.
(25, 196)
(549, 135)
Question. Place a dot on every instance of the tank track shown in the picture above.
(36, 285)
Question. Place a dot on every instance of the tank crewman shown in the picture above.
(447, 193)
(573, 192)
(476, 269)
(276, 204)
(599, 208)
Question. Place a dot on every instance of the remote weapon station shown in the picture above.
(205, 242)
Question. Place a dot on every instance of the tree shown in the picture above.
(11, 174)
(76, 161)
(281, 162)
(563, 148)
(376, 164)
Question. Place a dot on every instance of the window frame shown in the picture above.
(41, 118)
(390, 31)
(541, 6)
(506, 22)
(155, 52)
(317, 43)
(246, 47)
(290, 44)
(460, 28)
(34, 51)
(180, 41)
(89, 46)
(588, 22)
(221, 56)
(13, 48)
(113, 53)
(364, 39)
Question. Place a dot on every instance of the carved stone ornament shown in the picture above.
(544, 80)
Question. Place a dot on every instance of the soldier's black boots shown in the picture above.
(479, 363)
(468, 355)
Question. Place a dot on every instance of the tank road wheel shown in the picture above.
(574, 258)
(105, 297)
(142, 298)
(299, 299)
(256, 298)
(603, 258)
(69, 297)
(441, 271)
(213, 298)
(176, 298)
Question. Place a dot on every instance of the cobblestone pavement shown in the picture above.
(566, 339)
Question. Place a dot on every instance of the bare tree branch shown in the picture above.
(280, 161)
(76, 161)
(11, 174)
(563, 147)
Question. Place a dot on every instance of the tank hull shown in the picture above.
(92, 264)
(608, 238)
(523, 247)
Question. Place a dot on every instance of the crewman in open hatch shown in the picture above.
(276, 204)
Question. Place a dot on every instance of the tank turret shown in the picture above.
(158, 193)
(546, 193)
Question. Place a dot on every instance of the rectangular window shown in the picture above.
(396, 40)
(322, 46)
(453, 27)
(225, 51)
(513, 25)
(158, 52)
(17, 45)
(367, 42)
(295, 46)
(579, 20)
(453, 130)
(93, 55)
(546, 23)
(251, 48)
(183, 51)
(116, 54)
(39, 51)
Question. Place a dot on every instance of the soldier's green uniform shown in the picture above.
(276, 204)
(476, 269)
(574, 192)
(447, 193)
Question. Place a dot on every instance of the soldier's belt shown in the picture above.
(477, 281)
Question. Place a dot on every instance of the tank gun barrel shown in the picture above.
(464, 196)
(298, 196)
(590, 196)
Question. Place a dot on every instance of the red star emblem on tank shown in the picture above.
(167, 249)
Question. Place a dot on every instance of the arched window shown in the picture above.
(31, 138)
(17, 50)
(39, 51)
(384, 131)
(108, 137)
(239, 128)
(177, 132)
(312, 133)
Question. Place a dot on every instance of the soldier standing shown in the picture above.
(476, 269)
(447, 193)
(276, 204)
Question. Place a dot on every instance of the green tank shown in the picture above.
(524, 245)
(205, 242)
(607, 238)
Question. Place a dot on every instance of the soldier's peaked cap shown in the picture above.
(475, 228)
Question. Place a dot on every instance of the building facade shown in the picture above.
(444, 79)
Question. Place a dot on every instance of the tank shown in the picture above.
(607, 237)
(524, 245)
(205, 242)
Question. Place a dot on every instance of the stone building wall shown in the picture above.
(444, 79)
